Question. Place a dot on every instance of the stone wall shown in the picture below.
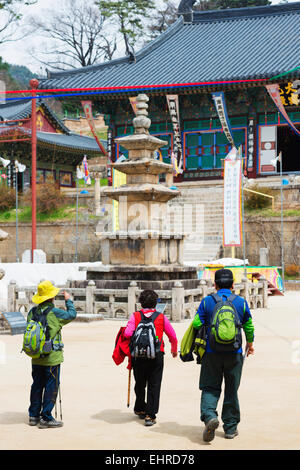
(81, 125)
(57, 240)
(266, 233)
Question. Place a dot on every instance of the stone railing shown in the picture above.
(92, 303)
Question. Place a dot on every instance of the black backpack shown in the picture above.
(144, 342)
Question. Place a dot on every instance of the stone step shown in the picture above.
(207, 234)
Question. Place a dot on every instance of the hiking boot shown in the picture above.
(33, 421)
(231, 435)
(209, 431)
(43, 424)
(149, 421)
(140, 414)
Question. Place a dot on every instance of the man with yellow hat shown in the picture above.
(46, 368)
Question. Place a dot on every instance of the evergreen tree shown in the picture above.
(223, 4)
(129, 15)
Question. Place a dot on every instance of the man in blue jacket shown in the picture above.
(226, 365)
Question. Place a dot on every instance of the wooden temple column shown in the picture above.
(34, 86)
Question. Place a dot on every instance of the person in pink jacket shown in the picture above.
(148, 372)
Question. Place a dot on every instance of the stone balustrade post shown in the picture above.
(177, 302)
(90, 297)
(132, 291)
(11, 296)
(245, 283)
(264, 291)
(203, 285)
(111, 300)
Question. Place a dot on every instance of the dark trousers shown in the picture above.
(215, 368)
(148, 375)
(44, 390)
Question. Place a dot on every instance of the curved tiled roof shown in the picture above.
(71, 141)
(219, 45)
(21, 109)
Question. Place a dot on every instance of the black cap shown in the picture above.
(223, 275)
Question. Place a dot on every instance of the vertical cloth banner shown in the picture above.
(173, 105)
(274, 93)
(219, 100)
(87, 108)
(119, 179)
(232, 233)
(133, 103)
(85, 171)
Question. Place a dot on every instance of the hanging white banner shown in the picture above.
(232, 233)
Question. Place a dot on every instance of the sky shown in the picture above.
(19, 52)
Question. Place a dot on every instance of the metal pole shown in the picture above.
(34, 85)
(17, 233)
(282, 235)
(76, 237)
(243, 212)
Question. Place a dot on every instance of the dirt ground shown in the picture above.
(94, 392)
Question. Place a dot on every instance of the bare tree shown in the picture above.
(163, 18)
(10, 17)
(77, 37)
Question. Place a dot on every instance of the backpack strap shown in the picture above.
(231, 298)
(152, 318)
(34, 313)
(216, 298)
(42, 317)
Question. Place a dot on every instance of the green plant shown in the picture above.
(48, 198)
(253, 200)
(292, 270)
(7, 198)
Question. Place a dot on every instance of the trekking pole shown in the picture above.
(59, 395)
(128, 393)
(246, 351)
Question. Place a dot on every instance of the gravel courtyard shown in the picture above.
(94, 392)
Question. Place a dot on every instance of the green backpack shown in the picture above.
(225, 328)
(36, 339)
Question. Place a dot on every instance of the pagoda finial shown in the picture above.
(142, 122)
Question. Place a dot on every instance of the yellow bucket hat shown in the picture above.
(46, 291)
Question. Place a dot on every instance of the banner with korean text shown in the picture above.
(173, 105)
(219, 100)
(274, 93)
(232, 216)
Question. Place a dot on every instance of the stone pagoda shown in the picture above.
(142, 248)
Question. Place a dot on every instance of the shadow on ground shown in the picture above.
(12, 417)
(172, 428)
(115, 416)
(193, 433)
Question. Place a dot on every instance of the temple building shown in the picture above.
(59, 150)
(234, 51)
